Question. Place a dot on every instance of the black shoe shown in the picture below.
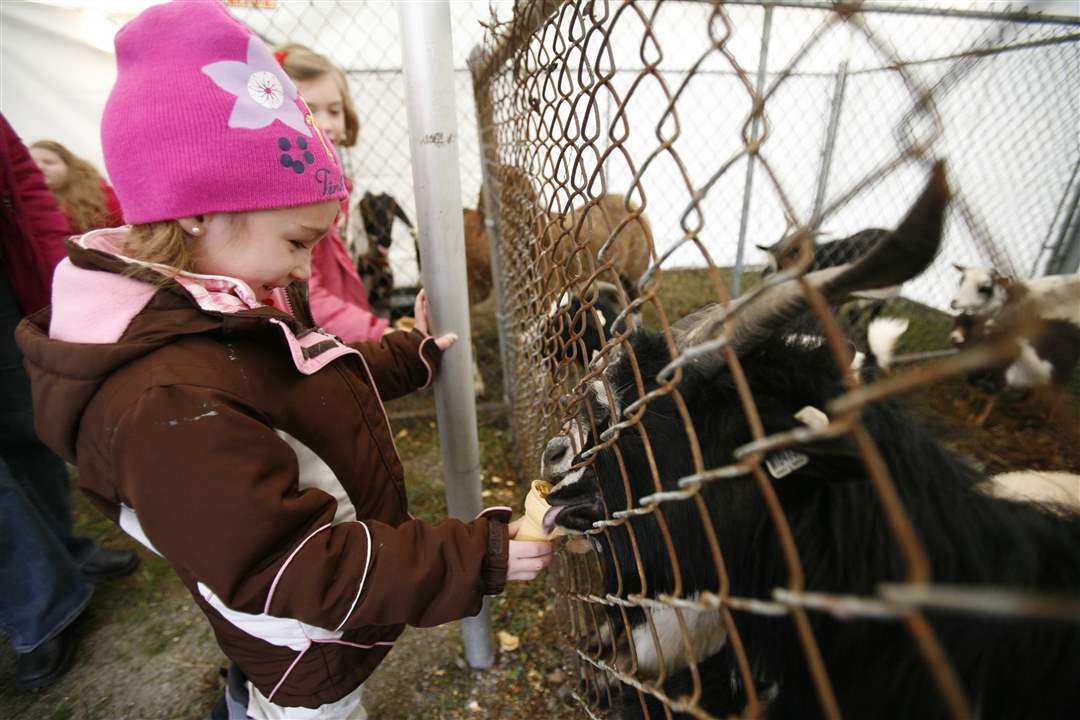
(107, 564)
(220, 711)
(45, 665)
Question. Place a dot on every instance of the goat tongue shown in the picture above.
(550, 516)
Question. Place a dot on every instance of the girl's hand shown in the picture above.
(527, 557)
(423, 323)
(419, 312)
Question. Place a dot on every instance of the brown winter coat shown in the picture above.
(173, 426)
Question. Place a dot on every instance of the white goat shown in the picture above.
(983, 291)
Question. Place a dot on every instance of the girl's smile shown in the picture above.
(266, 249)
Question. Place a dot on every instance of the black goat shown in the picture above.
(1009, 667)
(578, 327)
(378, 213)
(830, 254)
(836, 252)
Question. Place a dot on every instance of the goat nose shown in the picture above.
(555, 457)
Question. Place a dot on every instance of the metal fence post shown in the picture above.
(755, 131)
(427, 57)
(485, 126)
(1065, 254)
(830, 142)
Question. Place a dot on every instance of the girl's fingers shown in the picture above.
(531, 548)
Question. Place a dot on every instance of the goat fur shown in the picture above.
(377, 213)
(1010, 668)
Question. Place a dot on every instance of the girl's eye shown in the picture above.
(298, 244)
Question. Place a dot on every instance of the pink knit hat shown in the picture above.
(203, 119)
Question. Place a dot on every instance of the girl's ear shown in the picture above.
(194, 225)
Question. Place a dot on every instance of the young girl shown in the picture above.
(178, 352)
(83, 195)
(338, 299)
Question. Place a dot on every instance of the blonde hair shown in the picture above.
(82, 198)
(302, 64)
(163, 243)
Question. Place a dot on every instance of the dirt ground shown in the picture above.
(146, 653)
(1016, 435)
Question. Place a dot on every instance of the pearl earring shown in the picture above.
(195, 230)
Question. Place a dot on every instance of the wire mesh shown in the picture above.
(684, 135)
(362, 38)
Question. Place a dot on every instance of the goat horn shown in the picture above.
(901, 255)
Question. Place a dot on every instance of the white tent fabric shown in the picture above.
(56, 69)
(55, 74)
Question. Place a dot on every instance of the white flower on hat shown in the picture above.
(265, 89)
(263, 92)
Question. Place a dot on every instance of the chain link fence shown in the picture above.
(363, 39)
(689, 134)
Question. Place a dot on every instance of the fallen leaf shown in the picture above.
(508, 642)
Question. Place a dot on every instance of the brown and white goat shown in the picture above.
(377, 212)
(1044, 313)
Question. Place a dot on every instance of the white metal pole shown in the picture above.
(829, 147)
(427, 57)
(755, 133)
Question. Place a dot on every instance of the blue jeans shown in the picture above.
(43, 589)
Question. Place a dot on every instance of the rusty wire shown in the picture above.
(540, 85)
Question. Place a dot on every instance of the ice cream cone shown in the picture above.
(532, 525)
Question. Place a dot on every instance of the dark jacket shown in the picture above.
(32, 228)
(174, 416)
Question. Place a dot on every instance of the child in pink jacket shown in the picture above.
(338, 298)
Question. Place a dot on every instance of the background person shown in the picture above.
(338, 298)
(86, 199)
(46, 571)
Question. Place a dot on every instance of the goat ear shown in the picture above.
(399, 213)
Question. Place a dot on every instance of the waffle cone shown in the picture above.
(532, 526)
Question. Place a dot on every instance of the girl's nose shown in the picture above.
(326, 122)
(302, 271)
